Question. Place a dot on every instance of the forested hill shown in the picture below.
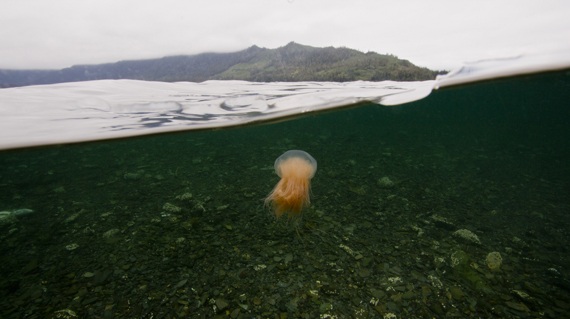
(293, 62)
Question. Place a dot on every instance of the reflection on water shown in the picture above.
(95, 110)
(452, 206)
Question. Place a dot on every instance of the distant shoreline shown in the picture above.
(291, 63)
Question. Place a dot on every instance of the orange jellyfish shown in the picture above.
(292, 193)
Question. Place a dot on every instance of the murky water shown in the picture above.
(411, 208)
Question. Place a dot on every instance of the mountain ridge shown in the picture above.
(290, 63)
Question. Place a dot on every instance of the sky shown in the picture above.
(438, 34)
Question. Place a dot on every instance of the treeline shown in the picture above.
(293, 62)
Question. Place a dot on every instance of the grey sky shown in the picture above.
(439, 34)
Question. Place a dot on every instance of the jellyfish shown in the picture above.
(292, 193)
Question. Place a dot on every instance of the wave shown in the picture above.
(106, 109)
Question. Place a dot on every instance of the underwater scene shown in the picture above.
(453, 206)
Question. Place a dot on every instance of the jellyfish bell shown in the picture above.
(295, 155)
(292, 193)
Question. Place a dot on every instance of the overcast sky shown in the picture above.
(439, 34)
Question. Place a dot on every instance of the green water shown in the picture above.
(173, 226)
